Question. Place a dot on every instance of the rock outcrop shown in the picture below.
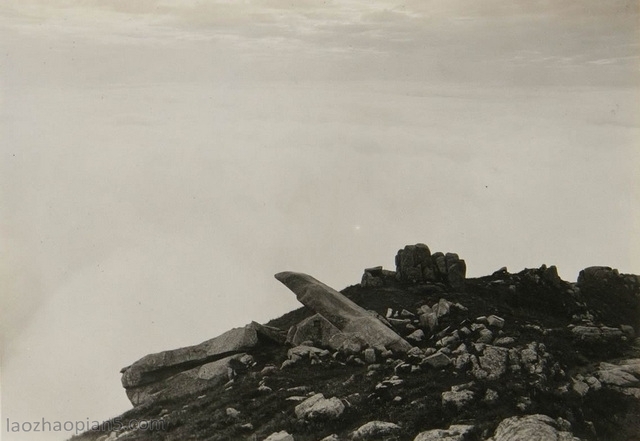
(416, 264)
(185, 370)
(533, 428)
(496, 359)
(341, 312)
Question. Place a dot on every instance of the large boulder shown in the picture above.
(159, 366)
(375, 430)
(613, 298)
(317, 407)
(187, 382)
(341, 312)
(456, 432)
(416, 264)
(533, 428)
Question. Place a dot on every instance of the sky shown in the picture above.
(160, 160)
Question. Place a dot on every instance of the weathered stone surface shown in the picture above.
(269, 332)
(319, 407)
(416, 264)
(595, 334)
(437, 360)
(416, 336)
(626, 374)
(186, 382)
(375, 430)
(369, 355)
(495, 321)
(342, 312)
(316, 329)
(429, 321)
(532, 428)
(492, 364)
(457, 398)
(156, 367)
(280, 436)
(456, 271)
(456, 432)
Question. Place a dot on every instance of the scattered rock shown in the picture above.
(233, 413)
(437, 360)
(492, 364)
(597, 334)
(370, 355)
(457, 398)
(457, 432)
(495, 321)
(319, 407)
(280, 436)
(532, 428)
(429, 321)
(416, 336)
(375, 430)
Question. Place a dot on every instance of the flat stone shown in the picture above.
(159, 366)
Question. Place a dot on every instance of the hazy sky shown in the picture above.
(162, 159)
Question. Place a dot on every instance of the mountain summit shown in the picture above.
(420, 353)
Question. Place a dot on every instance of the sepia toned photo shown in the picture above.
(336, 220)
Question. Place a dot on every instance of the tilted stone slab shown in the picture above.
(186, 382)
(159, 366)
(344, 314)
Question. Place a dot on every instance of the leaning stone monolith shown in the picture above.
(344, 314)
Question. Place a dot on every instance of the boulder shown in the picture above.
(280, 436)
(492, 364)
(437, 360)
(156, 367)
(456, 271)
(416, 264)
(316, 329)
(626, 374)
(456, 432)
(186, 382)
(457, 398)
(342, 312)
(597, 334)
(317, 407)
(533, 428)
(375, 430)
(429, 321)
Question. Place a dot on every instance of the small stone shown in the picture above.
(370, 355)
(233, 413)
(280, 436)
(437, 360)
(416, 336)
(504, 341)
(486, 336)
(319, 407)
(580, 387)
(495, 321)
(456, 432)
(375, 430)
(490, 396)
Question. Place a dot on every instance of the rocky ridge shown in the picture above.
(420, 353)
